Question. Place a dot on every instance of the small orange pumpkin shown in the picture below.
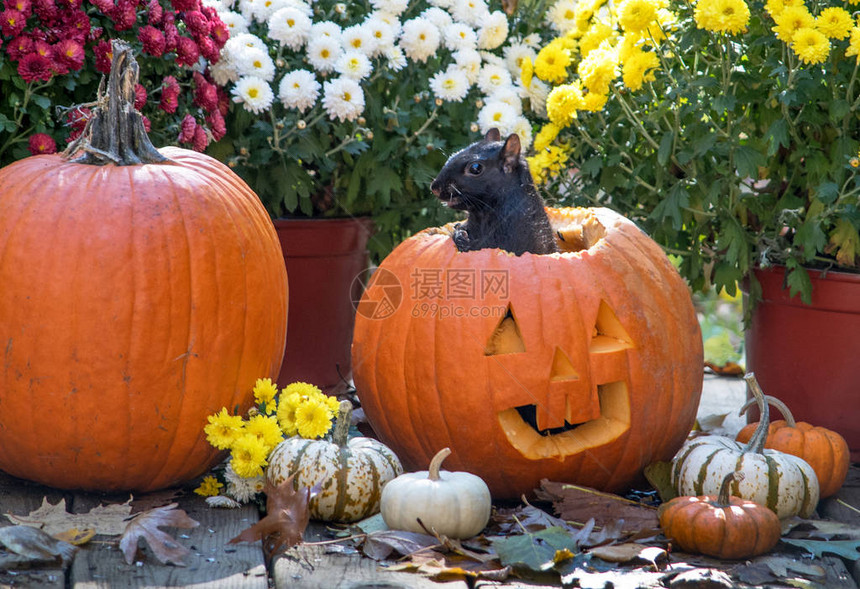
(138, 295)
(825, 450)
(720, 526)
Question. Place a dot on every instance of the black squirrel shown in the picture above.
(490, 180)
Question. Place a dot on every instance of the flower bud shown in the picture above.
(362, 121)
(438, 102)
(243, 151)
(417, 98)
(479, 103)
(474, 127)
(369, 135)
(430, 147)
(301, 124)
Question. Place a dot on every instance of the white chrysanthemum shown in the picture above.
(240, 488)
(451, 84)
(290, 26)
(223, 502)
(562, 15)
(538, 93)
(243, 40)
(343, 99)
(358, 38)
(492, 77)
(441, 18)
(254, 94)
(523, 128)
(395, 7)
(459, 36)
(493, 30)
(509, 95)
(497, 114)
(326, 28)
(514, 54)
(473, 12)
(469, 61)
(235, 22)
(224, 72)
(419, 39)
(488, 57)
(442, 3)
(354, 64)
(217, 5)
(299, 89)
(258, 10)
(396, 58)
(323, 53)
(534, 41)
(382, 32)
(254, 62)
(389, 19)
(305, 7)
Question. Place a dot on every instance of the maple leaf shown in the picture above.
(106, 520)
(286, 520)
(845, 239)
(145, 526)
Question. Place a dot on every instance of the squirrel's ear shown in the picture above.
(511, 153)
(493, 135)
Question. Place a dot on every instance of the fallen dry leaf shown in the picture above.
(76, 537)
(286, 520)
(146, 526)
(579, 504)
(106, 520)
(32, 547)
(623, 553)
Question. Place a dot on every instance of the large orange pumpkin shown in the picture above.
(135, 301)
(583, 366)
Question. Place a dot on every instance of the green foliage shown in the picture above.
(736, 154)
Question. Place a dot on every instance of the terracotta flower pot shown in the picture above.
(806, 355)
(323, 257)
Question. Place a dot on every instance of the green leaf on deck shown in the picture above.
(849, 549)
(535, 551)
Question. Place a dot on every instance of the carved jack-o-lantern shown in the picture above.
(583, 366)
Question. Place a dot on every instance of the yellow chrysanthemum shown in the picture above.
(286, 414)
(563, 102)
(598, 70)
(265, 428)
(248, 456)
(791, 20)
(223, 429)
(722, 16)
(629, 44)
(854, 43)
(209, 487)
(639, 68)
(775, 7)
(637, 15)
(834, 22)
(592, 39)
(551, 63)
(548, 163)
(313, 419)
(264, 393)
(593, 102)
(546, 136)
(810, 45)
(527, 72)
(666, 21)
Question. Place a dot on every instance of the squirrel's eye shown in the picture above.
(474, 169)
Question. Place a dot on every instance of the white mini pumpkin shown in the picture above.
(351, 472)
(453, 504)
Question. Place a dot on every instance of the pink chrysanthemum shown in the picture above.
(185, 5)
(201, 139)
(104, 55)
(19, 47)
(12, 22)
(155, 12)
(124, 15)
(152, 40)
(187, 52)
(139, 97)
(216, 123)
(205, 93)
(69, 53)
(169, 95)
(198, 25)
(186, 129)
(209, 49)
(41, 143)
(35, 67)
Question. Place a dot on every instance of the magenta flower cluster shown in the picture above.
(60, 48)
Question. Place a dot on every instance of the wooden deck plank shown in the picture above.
(213, 562)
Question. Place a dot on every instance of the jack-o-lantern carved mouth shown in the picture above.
(578, 415)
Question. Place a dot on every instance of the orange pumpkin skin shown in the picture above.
(136, 301)
(702, 525)
(603, 335)
(825, 450)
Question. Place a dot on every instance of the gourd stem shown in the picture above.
(114, 133)
(436, 463)
(723, 497)
(340, 435)
(759, 437)
(771, 400)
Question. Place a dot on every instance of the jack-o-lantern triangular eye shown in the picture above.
(506, 337)
(562, 367)
(609, 335)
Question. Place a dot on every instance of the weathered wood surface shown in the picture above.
(216, 564)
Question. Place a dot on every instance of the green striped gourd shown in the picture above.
(350, 472)
(784, 483)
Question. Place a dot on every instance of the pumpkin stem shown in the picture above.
(436, 463)
(114, 133)
(723, 496)
(771, 400)
(340, 435)
(759, 437)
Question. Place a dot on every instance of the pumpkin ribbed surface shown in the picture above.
(351, 477)
(582, 366)
(135, 301)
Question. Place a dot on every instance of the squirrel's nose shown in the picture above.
(435, 188)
